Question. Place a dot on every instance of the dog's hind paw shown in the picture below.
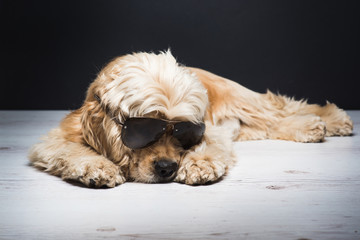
(195, 171)
(338, 122)
(343, 126)
(313, 130)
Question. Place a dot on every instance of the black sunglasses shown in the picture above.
(142, 132)
(139, 133)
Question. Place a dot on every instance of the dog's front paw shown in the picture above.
(96, 173)
(102, 177)
(196, 169)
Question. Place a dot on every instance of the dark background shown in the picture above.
(52, 50)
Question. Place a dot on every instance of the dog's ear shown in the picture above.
(92, 119)
(84, 125)
(71, 126)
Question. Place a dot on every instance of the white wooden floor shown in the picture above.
(278, 190)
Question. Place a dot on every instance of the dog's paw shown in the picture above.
(102, 178)
(339, 127)
(313, 130)
(195, 170)
(97, 173)
(338, 123)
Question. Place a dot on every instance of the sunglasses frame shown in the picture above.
(170, 123)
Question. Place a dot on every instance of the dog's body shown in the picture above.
(87, 146)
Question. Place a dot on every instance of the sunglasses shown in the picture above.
(139, 133)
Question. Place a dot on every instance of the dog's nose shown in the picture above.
(165, 167)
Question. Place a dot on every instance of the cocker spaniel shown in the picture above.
(148, 119)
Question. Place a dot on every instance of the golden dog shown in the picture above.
(128, 127)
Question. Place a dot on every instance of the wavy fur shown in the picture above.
(87, 147)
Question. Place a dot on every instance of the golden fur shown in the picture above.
(87, 147)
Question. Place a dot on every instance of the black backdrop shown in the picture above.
(52, 50)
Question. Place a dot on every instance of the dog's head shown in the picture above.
(144, 86)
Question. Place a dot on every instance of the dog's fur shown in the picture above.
(87, 146)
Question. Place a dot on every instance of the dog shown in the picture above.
(146, 118)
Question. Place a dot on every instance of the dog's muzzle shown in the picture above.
(165, 168)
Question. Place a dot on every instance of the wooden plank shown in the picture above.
(277, 190)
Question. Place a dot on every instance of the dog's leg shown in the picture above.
(302, 122)
(299, 128)
(74, 161)
(338, 123)
(210, 160)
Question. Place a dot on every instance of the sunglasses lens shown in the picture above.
(142, 132)
(188, 133)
